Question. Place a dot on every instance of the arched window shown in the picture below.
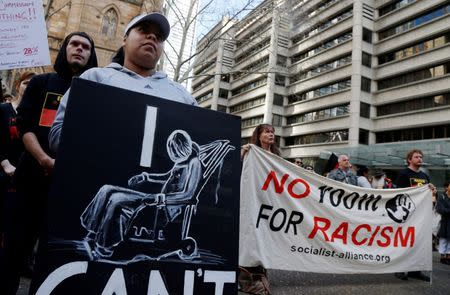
(109, 24)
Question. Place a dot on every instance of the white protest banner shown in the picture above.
(294, 219)
(23, 35)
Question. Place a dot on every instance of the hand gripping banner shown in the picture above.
(294, 219)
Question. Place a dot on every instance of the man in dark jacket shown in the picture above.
(35, 116)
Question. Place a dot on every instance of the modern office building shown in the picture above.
(369, 78)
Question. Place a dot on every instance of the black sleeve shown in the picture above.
(30, 107)
(4, 134)
(402, 180)
(442, 207)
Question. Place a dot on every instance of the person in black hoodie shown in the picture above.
(32, 177)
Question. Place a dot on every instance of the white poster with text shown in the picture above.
(294, 219)
(23, 35)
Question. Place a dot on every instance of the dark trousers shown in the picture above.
(24, 215)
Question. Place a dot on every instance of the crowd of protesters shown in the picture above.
(27, 158)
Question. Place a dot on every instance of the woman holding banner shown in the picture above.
(253, 279)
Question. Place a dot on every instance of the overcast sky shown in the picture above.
(218, 9)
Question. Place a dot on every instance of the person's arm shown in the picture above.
(55, 132)
(28, 114)
(4, 134)
(32, 145)
(147, 177)
(244, 150)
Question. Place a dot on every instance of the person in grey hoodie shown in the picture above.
(133, 67)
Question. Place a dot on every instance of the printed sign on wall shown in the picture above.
(145, 198)
(23, 35)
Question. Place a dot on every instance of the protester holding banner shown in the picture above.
(35, 115)
(254, 279)
(134, 67)
(343, 173)
(412, 176)
(363, 176)
(11, 146)
(443, 208)
(264, 137)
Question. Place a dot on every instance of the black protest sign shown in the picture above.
(145, 198)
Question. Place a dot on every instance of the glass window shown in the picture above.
(366, 60)
(437, 42)
(109, 24)
(439, 100)
(363, 136)
(426, 17)
(439, 71)
(223, 93)
(367, 35)
(364, 110)
(277, 120)
(365, 84)
(278, 99)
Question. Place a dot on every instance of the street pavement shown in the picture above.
(302, 283)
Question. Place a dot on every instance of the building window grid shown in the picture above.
(414, 76)
(317, 138)
(256, 32)
(280, 80)
(367, 35)
(328, 89)
(393, 6)
(416, 104)
(248, 104)
(366, 59)
(327, 44)
(281, 60)
(322, 26)
(327, 113)
(204, 97)
(414, 49)
(254, 49)
(261, 63)
(251, 121)
(363, 136)
(206, 67)
(321, 68)
(365, 84)
(277, 120)
(278, 99)
(249, 86)
(313, 11)
(420, 133)
(424, 18)
(223, 93)
(203, 83)
(364, 110)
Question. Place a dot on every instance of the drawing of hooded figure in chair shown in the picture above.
(108, 218)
